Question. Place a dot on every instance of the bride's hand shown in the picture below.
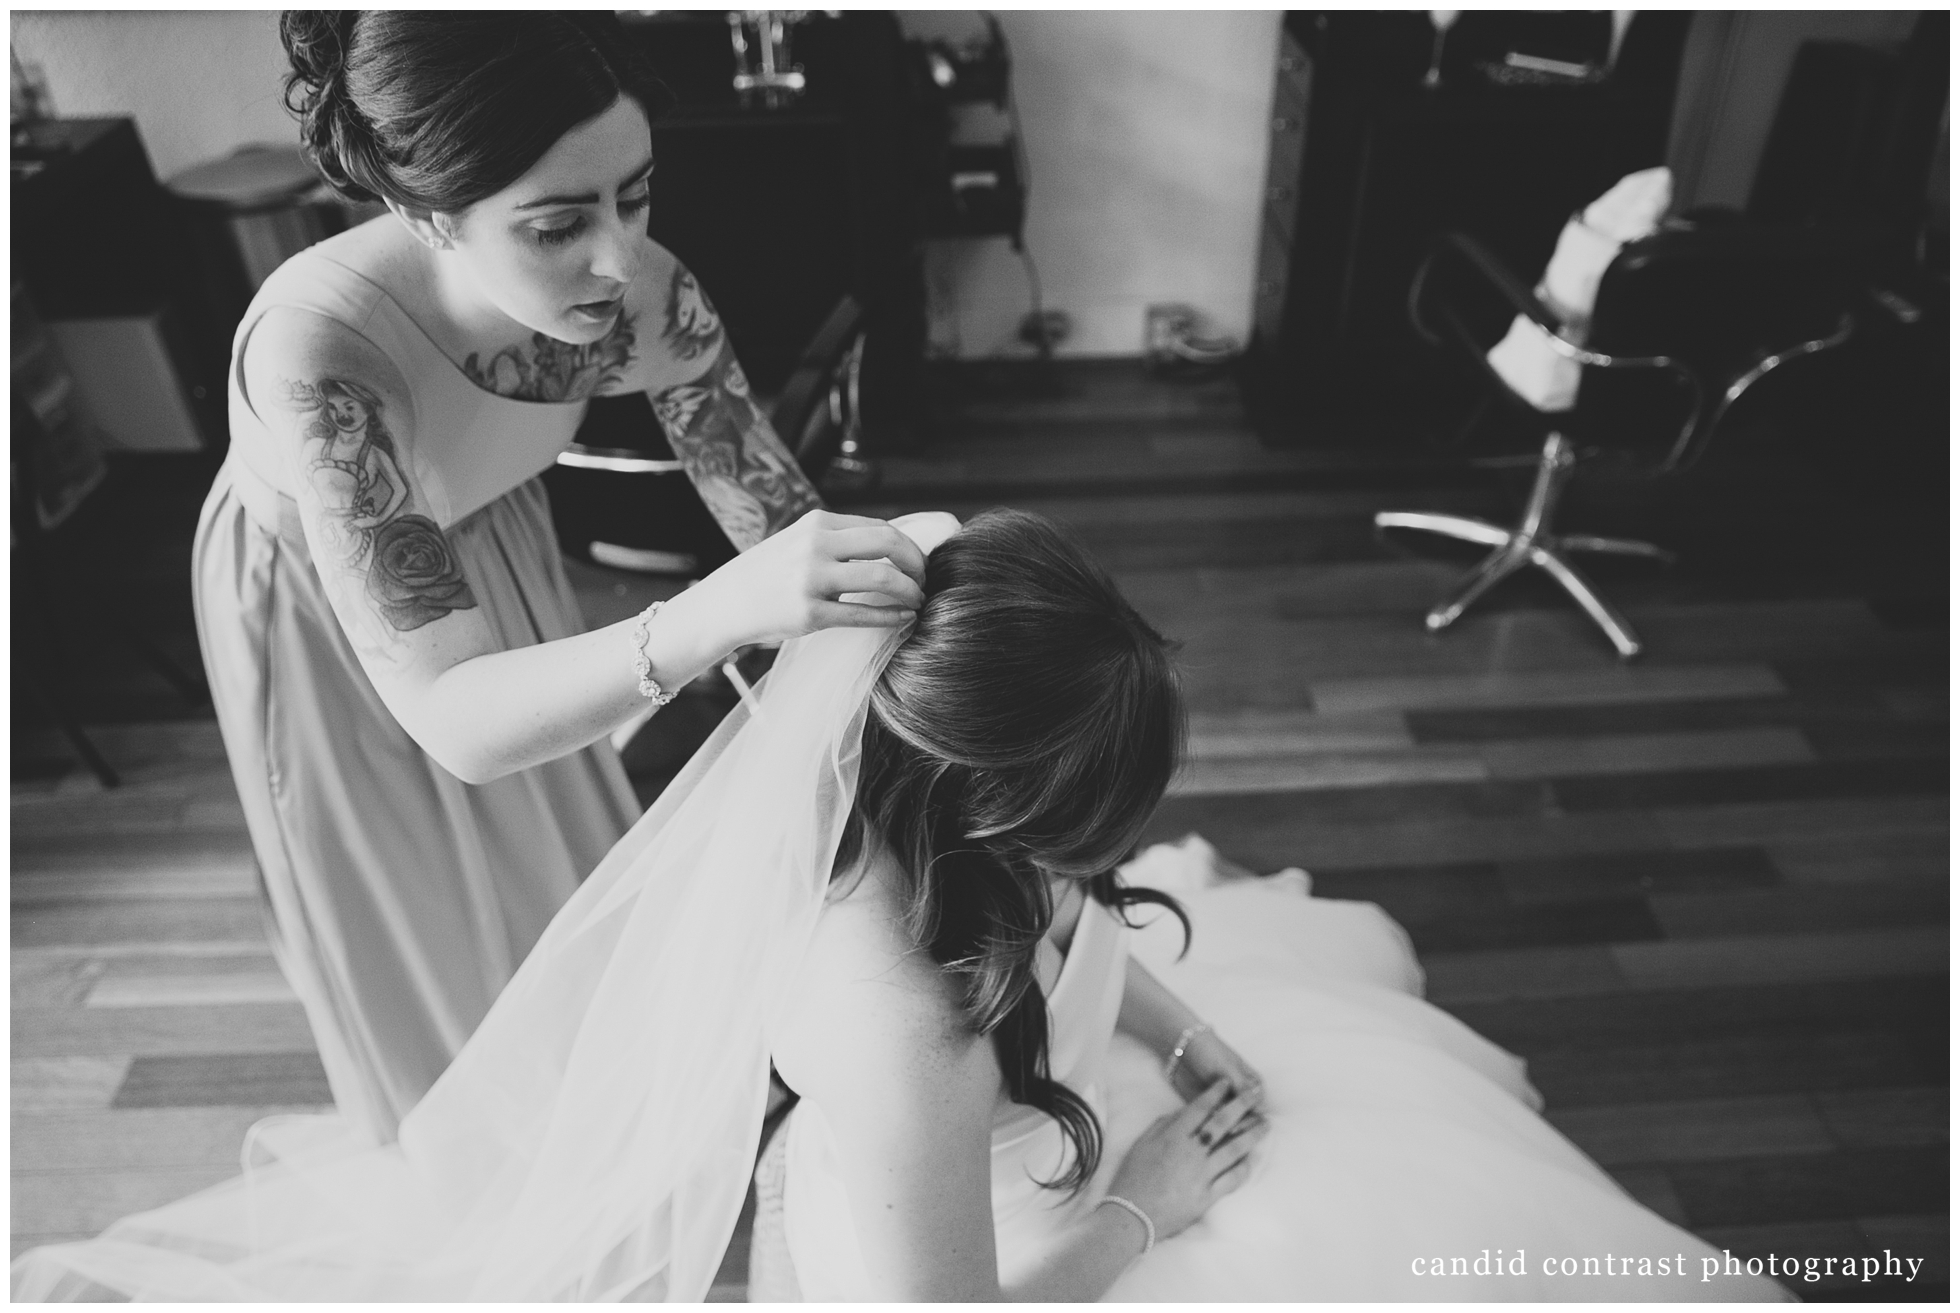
(790, 584)
(1190, 1159)
(1208, 1060)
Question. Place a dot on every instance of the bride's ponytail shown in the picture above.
(1025, 730)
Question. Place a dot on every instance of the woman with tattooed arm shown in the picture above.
(416, 722)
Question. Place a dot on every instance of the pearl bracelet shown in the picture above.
(643, 664)
(1183, 1043)
(1149, 1227)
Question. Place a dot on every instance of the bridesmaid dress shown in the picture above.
(400, 900)
(1400, 1138)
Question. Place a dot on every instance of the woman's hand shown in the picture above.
(1159, 1019)
(1189, 1160)
(1208, 1060)
(790, 584)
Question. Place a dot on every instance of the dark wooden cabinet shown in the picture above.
(781, 211)
(1365, 165)
(94, 236)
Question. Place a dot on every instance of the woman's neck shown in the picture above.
(470, 316)
(436, 289)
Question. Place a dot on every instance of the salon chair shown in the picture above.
(1688, 321)
(621, 499)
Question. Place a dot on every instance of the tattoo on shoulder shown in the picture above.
(692, 324)
(546, 369)
(350, 460)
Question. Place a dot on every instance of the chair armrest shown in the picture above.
(1741, 299)
(809, 386)
(1522, 301)
(1477, 257)
(615, 460)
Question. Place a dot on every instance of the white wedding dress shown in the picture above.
(1399, 1136)
(594, 1138)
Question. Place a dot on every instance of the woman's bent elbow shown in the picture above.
(474, 773)
(470, 769)
(468, 762)
(445, 736)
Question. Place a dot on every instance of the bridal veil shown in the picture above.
(594, 1139)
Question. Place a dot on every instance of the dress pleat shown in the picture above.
(400, 899)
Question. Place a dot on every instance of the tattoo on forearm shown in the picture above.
(693, 327)
(350, 460)
(743, 472)
(546, 369)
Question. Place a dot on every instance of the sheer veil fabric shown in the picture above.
(594, 1138)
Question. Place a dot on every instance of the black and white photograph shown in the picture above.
(1053, 655)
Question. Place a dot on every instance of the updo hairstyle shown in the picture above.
(436, 110)
(1027, 728)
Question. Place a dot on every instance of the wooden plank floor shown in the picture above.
(1706, 896)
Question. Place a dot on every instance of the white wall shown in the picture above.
(1146, 142)
(1145, 135)
(199, 84)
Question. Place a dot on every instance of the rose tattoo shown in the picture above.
(412, 576)
(350, 461)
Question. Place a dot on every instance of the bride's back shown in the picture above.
(1020, 737)
(864, 982)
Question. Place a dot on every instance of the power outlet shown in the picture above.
(1173, 335)
(1164, 326)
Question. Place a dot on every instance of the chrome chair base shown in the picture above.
(1531, 543)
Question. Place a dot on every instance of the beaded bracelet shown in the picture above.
(1183, 1043)
(1149, 1227)
(643, 664)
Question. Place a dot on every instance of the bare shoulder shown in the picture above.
(676, 331)
(342, 420)
(293, 353)
(871, 1005)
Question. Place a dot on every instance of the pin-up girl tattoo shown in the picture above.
(350, 461)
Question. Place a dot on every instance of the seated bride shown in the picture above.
(999, 1096)
(896, 877)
